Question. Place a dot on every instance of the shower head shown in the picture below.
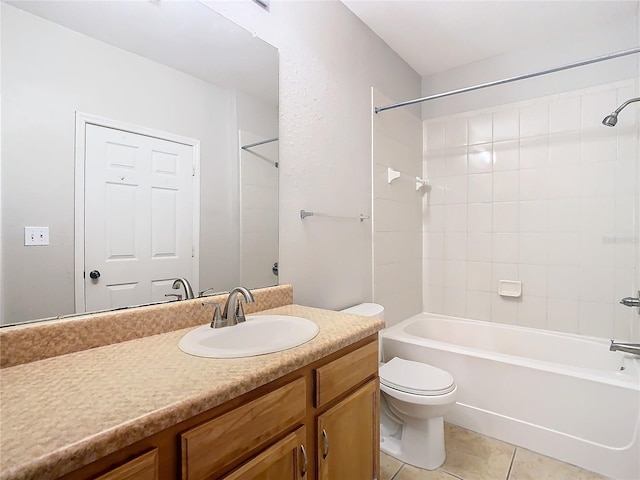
(611, 120)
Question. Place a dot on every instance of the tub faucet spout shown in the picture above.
(633, 348)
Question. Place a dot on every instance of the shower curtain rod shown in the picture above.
(510, 79)
(244, 147)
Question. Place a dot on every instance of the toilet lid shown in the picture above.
(415, 377)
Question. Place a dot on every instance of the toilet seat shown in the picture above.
(415, 377)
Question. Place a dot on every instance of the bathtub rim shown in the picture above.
(629, 379)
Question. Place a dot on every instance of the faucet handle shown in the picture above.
(240, 311)
(207, 290)
(216, 321)
(177, 295)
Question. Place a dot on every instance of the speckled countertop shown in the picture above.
(61, 413)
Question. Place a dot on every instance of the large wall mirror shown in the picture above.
(139, 141)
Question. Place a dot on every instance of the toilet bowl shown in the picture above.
(415, 397)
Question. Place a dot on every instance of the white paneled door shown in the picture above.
(139, 203)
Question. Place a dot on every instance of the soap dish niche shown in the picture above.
(510, 288)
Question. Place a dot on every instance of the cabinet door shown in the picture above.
(348, 437)
(285, 460)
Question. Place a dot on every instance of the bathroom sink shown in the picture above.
(260, 334)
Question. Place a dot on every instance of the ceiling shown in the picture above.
(187, 36)
(433, 36)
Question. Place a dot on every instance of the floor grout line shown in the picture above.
(442, 469)
(396, 474)
(436, 470)
(454, 476)
(513, 458)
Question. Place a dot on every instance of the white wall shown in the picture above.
(397, 207)
(328, 63)
(256, 116)
(43, 83)
(1, 263)
(608, 39)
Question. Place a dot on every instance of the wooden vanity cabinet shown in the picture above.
(348, 433)
(319, 422)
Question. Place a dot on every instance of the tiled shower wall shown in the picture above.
(540, 192)
(397, 209)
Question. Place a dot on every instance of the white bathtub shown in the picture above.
(561, 395)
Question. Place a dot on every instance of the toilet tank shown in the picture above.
(366, 310)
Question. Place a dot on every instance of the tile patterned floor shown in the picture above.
(471, 456)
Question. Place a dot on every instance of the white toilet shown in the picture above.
(415, 396)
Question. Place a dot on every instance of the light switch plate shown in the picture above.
(36, 236)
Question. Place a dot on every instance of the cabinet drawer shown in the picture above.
(144, 467)
(209, 448)
(342, 374)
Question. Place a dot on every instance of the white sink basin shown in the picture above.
(260, 334)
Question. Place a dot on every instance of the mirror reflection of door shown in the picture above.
(139, 202)
(258, 210)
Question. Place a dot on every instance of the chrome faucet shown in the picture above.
(633, 348)
(188, 291)
(233, 311)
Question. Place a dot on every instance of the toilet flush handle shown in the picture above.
(325, 441)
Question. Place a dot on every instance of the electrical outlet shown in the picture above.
(36, 236)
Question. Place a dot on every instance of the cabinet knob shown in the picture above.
(325, 442)
(95, 274)
(305, 461)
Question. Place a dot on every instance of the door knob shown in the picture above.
(95, 274)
